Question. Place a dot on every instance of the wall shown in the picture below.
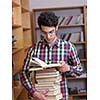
(55, 3)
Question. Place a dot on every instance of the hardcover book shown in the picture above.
(37, 64)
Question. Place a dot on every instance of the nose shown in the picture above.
(48, 36)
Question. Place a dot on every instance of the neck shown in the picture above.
(51, 44)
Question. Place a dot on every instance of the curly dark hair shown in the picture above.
(48, 19)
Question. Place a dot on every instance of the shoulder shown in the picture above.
(65, 42)
(35, 45)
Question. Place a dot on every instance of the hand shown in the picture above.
(64, 67)
(40, 95)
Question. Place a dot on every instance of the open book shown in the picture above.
(37, 64)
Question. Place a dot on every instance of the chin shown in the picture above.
(49, 41)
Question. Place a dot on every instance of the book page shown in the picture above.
(53, 65)
(35, 69)
(38, 61)
(37, 64)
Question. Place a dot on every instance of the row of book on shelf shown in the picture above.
(72, 36)
(69, 20)
(75, 90)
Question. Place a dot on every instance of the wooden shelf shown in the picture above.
(16, 25)
(16, 14)
(79, 94)
(26, 20)
(18, 61)
(75, 25)
(16, 70)
(57, 8)
(16, 50)
(21, 31)
(25, 29)
(15, 4)
(17, 92)
(24, 10)
(74, 78)
(79, 43)
(25, 5)
(83, 60)
(65, 26)
(27, 47)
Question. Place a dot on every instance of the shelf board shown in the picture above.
(24, 28)
(15, 4)
(16, 26)
(58, 8)
(65, 26)
(17, 91)
(74, 25)
(83, 60)
(16, 50)
(26, 47)
(24, 10)
(74, 78)
(79, 94)
(78, 43)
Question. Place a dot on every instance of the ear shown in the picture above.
(56, 27)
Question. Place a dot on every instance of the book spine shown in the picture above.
(68, 19)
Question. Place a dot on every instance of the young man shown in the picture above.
(51, 50)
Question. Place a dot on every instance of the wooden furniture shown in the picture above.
(21, 32)
(78, 25)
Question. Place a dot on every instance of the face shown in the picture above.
(49, 33)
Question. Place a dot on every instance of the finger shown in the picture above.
(44, 92)
(62, 63)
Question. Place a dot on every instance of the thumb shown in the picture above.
(44, 91)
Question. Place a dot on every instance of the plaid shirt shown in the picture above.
(60, 50)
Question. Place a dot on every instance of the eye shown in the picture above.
(51, 31)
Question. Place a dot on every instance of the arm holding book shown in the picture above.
(25, 78)
(25, 73)
(40, 95)
(74, 68)
(37, 64)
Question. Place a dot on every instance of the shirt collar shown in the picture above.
(56, 43)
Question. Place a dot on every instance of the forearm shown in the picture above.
(25, 74)
(27, 82)
(70, 70)
(74, 62)
(75, 70)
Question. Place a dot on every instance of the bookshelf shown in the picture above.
(78, 25)
(21, 41)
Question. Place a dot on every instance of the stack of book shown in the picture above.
(49, 79)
